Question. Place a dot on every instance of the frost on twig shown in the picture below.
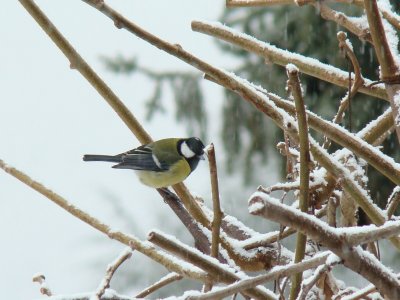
(105, 283)
(167, 279)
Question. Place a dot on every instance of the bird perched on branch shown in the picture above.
(161, 163)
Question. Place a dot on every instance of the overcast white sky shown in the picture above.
(51, 116)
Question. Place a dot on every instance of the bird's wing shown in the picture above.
(141, 158)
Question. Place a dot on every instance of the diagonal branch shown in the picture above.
(167, 279)
(129, 240)
(105, 283)
(282, 57)
(393, 202)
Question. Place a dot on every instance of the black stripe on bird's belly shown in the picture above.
(193, 162)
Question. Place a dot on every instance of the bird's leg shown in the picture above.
(167, 194)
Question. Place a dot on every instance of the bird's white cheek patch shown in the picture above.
(186, 151)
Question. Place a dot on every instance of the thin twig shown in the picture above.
(295, 88)
(167, 279)
(344, 45)
(273, 274)
(393, 202)
(311, 281)
(288, 186)
(129, 240)
(105, 283)
(361, 294)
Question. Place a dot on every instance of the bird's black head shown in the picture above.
(192, 149)
(196, 145)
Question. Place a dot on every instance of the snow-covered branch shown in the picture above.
(353, 257)
(218, 272)
(273, 274)
(282, 57)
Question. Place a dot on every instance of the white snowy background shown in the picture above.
(50, 117)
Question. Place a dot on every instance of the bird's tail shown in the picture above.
(97, 157)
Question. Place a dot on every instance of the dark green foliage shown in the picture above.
(299, 30)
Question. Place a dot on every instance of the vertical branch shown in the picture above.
(295, 88)
(216, 223)
(382, 49)
(389, 68)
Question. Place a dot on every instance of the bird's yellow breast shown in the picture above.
(177, 173)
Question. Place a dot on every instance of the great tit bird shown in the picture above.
(161, 163)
